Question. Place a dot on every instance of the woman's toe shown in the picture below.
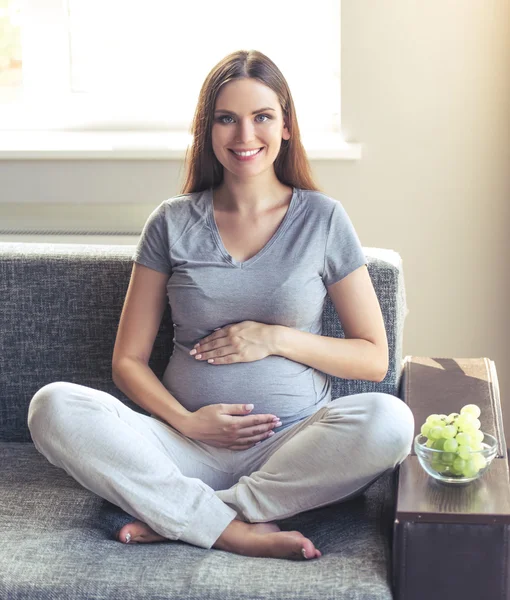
(138, 532)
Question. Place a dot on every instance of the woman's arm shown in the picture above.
(348, 359)
(139, 324)
(363, 354)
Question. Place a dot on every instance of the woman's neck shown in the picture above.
(251, 199)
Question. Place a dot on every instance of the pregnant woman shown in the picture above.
(242, 428)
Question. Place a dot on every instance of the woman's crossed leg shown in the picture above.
(164, 479)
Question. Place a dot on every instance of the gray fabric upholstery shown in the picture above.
(61, 305)
(60, 310)
(57, 541)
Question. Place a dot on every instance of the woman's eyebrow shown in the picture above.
(253, 113)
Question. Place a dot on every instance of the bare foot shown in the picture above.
(248, 539)
(138, 533)
(265, 539)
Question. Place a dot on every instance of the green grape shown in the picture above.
(425, 429)
(464, 452)
(479, 436)
(429, 443)
(470, 430)
(470, 469)
(459, 464)
(454, 470)
(450, 445)
(437, 465)
(479, 460)
(460, 424)
(476, 423)
(448, 457)
(431, 418)
(449, 431)
(436, 423)
(465, 420)
(464, 439)
(452, 417)
(436, 433)
(438, 444)
(472, 409)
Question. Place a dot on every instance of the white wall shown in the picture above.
(426, 90)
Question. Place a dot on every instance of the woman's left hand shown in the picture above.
(246, 341)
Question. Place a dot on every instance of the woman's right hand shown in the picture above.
(228, 426)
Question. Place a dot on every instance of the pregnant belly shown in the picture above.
(274, 385)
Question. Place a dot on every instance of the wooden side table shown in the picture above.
(451, 542)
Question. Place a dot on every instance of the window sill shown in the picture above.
(137, 145)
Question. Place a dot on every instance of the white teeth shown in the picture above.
(246, 153)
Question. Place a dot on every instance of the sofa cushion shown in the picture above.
(61, 305)
(57, 541)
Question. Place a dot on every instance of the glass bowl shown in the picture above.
(446, 466)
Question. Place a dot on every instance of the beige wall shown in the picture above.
(426, 90)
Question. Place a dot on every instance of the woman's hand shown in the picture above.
(241, 342)
(228, 426)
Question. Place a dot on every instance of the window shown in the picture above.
(117, 66)
(10, 50)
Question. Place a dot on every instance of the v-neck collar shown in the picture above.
(219, 242)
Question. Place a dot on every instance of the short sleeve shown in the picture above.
(343, 253)
(153, 249)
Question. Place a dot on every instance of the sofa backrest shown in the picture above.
(60, 308)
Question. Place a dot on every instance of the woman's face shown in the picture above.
(240, 129)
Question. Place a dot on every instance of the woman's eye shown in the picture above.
(221, 119)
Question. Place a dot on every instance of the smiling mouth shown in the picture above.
(246, 155)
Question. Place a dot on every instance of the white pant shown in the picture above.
(187, 490)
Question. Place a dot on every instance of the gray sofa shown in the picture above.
(60, 307)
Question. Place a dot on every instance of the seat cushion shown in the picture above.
(57, 541)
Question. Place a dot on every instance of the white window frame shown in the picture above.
(65, 125)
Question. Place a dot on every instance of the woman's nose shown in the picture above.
(244, 131)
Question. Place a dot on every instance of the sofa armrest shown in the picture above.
(452, 541)
(445, 385)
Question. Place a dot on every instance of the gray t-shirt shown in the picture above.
(283, 284)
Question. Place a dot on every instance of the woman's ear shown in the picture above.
(285, 133)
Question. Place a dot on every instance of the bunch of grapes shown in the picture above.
(460, 439)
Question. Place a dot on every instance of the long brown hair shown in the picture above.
(203, 169)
